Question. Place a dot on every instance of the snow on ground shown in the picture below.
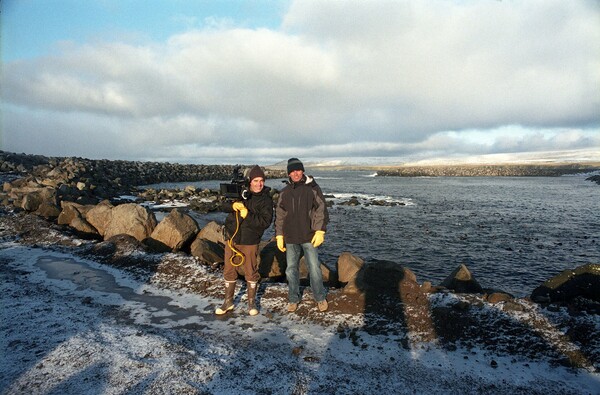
(75, 326)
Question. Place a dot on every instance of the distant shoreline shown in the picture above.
(471, 170)
(25, 163)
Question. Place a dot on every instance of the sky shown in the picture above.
(325, 81)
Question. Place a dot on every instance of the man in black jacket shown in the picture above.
(250, 217)
(301, 219)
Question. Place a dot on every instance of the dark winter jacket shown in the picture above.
(300, 211)
(260, 215)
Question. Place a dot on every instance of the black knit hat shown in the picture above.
(294, 164)
(256, 171)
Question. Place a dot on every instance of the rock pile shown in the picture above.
(79, 178)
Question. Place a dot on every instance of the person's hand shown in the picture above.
(280, 243)
(318, 238)
(239, 206)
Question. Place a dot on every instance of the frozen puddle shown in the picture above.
(137, 303)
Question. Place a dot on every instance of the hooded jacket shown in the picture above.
(300, 211)
(260, 215)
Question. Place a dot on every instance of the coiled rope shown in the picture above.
(236, 253)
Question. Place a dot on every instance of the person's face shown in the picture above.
(296, 175)
(257, 184)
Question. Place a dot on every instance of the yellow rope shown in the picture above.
(236, 252)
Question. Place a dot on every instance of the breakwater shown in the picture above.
(507, 170)
(109, 177)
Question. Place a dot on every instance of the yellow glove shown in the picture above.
(318, 238)
(239, 206)
(280, 243)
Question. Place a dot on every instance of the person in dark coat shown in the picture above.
(301, 219)
(244, 227)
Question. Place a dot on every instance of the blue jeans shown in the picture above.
(293, 275)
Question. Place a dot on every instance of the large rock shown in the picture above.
(100, 216)
(384, 277)
(31, 201)
(82, 226)
(213, 232)
(175, 231)
(348, 267)
(31, 195)
(71, 210)
(584, 281)
(73, 214)
(271, 262)
(48, 210)
(207, 251)
(131, 219)
(462, 281)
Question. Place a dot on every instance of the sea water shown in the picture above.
(513, 233)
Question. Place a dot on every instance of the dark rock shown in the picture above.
(461, 281)
(272, 262)
(595, 179)
(384, 277)
(207, 251)
(584, 281)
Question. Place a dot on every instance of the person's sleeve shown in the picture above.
(320, 217)
(280, 214)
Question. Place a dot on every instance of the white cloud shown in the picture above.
(373, 78)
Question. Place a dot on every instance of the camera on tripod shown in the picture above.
(237, 188)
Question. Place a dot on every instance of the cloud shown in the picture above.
(372, 78)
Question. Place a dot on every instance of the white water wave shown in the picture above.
(368, 198)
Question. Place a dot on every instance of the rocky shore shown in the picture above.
(508, 170)
(51, 202)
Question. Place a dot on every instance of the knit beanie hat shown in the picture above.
(256, 171)
(294, 164)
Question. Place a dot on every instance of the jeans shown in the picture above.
(314, 269)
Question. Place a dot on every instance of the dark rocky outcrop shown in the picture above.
(595, 179)
(584, 281)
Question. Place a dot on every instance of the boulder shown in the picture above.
(384, 277)
(48, 210)
(348, 267)
(175, 231)
(29, 195)
(271, 261)
(213, 232)
(498, 297)
(71, 210)
(100, 216)
(461, 281)
(584, 282)
(81, 225)
(131, 219)
(31, 201)
(207, 251)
